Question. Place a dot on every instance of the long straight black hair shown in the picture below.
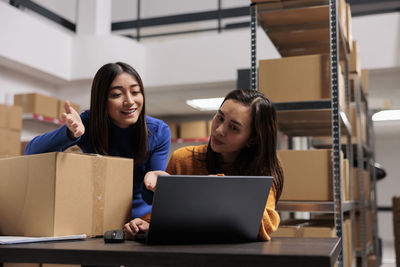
(99, 117)
(260, 158)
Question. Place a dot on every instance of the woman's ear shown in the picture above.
(251, 141)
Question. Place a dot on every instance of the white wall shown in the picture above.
(31, 42)
(379, 40)
(387, 153)
(202, 58)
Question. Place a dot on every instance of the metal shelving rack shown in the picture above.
(327, 110)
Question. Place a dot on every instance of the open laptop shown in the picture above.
(207, 209)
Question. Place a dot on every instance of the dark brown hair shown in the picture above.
(99, 118)
(260, 158)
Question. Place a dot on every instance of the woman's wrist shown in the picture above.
(70, 135)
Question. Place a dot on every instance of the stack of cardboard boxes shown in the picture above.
(10, 130)
(57, 194)
(42, 105)
(301, 35)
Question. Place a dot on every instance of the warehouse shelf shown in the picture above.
(309, 122)
(307, 27)
(370, 249)
(326, 142)
(41, 119)
(299, 27)
(313, 206)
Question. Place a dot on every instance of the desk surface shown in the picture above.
(278, 252)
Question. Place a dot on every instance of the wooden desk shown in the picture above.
(281, 252)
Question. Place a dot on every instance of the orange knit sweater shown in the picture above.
(188, 160)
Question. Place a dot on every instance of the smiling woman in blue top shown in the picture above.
(115, 125)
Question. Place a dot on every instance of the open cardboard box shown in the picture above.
(55, 194)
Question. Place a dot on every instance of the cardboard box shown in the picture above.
(209, 126)
(173, 127)
(354, 121)
(308, 174)
(193, 129)
(365, 81)
(10, 117)
(300, 78)
(368, 228)
(349, 41)
(354, 61)
(23, 146)
(346, 179)
(61, 109)
(55, 194)
(317, 228)
(10, 142)
(37, 104)
(367, 185)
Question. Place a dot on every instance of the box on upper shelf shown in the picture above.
(300, 78)
(55, 194)
(10, 143)
(193, 129)
(308, 175)
(61, 109)
(37, 104)
(301, 27)
(367, 185)
(354, 60)
(10, 117)
(173, 127)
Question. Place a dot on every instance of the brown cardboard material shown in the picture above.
(354, 61)
(61, 110)
(317, 228)
(37, 104)
(354, 122)
(349, 41)
(10, 142)
(365, 80)
(10, 117)
(367, 185)
(300, 78)
(308, 174)
(193, 129)
(368, 228)
(173, 127)
(54, 194)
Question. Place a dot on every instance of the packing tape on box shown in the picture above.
(99, 167)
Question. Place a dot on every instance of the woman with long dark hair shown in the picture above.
(115, 125)
(243, 141)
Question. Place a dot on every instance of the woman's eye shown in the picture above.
(135, 92)
(234, 128)
(115, 95)
(219, 118)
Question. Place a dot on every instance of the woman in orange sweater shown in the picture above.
(242, 142)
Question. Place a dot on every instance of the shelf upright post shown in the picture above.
(371, 138)
(253, 30)
(337, 196)
(360, 166)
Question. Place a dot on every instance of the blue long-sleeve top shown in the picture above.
(121, 145)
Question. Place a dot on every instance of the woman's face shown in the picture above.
(231, 129)
(125, 100)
